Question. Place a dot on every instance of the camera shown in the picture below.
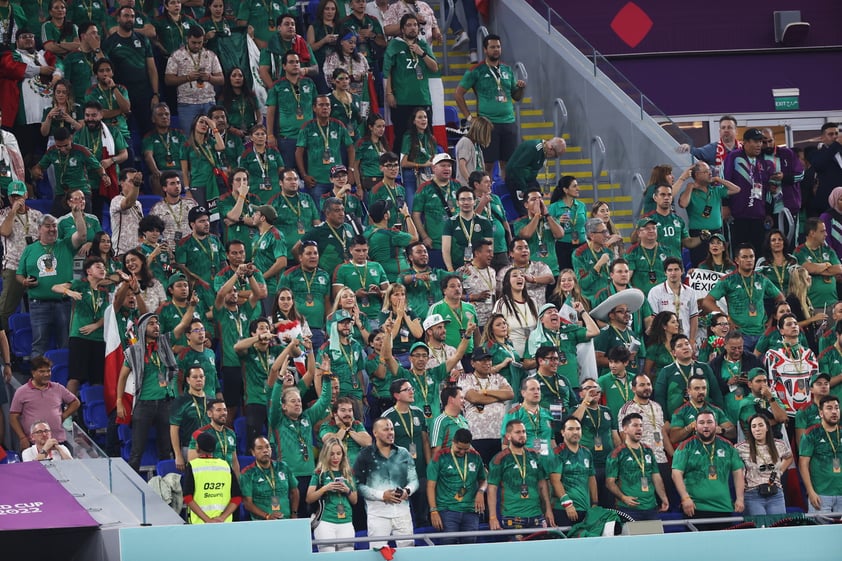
(400, 201)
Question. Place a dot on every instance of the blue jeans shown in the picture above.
(49, 317)
(830, 503)
(459, 522)
(410, 185)
(750, 341)
(317, 191)
(187, 113)
(755, 504)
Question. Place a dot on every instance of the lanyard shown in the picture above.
(463, 473)
(521, 469)
(295, 209)
(408, 427)
(640, 462)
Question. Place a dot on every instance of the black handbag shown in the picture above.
(769, 489)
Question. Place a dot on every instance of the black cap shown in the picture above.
(753, 134)
(206, 443)
(196, 212)
(480, 353)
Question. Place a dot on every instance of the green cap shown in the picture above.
(174, 278)
(418, 345)
(17, 188)
(814, 378)
(755, 372)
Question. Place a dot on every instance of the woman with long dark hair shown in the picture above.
(766, 459)
(348, 58)
(151, 291)
(518, 308)
(505, 359)
(717, 258)
(776, 261)
(368, 151)
(572, 215)
(62, 113)
(58, 35)
(664, 326)
(203, 147)
(418, 148)
(240, 103)
(345, 104)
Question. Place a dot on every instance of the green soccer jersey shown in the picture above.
(591, 281)
(772, 339)
(296, 214)
(368, 153)
(294, 103)
(576, 469)
(206, 359)
(444, 427)
(346, 362)
(630, 467)
(50, 265)
(426, 387)
(309, 289)
(240, 111)
(824, 448)
(541, 243)
(408, 72)
(264, 171)
(232, 326)
(806, 418)
(778, 275)
(226, 442)
(266, 249)
(379, 386)
(687, 413)
(108, 100)
(351, 446)
(78, 169)
(598, 428)
(334, 244)
(463, 233)
(129, 57)
(337, 507)
(525, 163)
(170, 315)
(420, 293)
(388, 247)
(511, 473)
(539, 430)
(705, 207)
(822, 291)
(671, 385)
(67, 227)
(363, 276)
(496, 215)
(830, 361)
(706, 469)
(409, 433)
(238, 230)
(647, 266)
(556, 397)
(168, 149)
(617, 391)
(435, 203)
(262, 15)
(172, 34)
(460, 317)
(565, 340)
(256, 364)
(457, 479)
(188, 413)
(347, 113)
(574, 229)
(202, 158)
(88, 10)
(323, 145)
(203, 258)
(660, 355)
(611, 337)
(269, 488)
(745, 295)
(671, 231)
(296, 435)
(78, 71)
(89, 309)
(494, 87)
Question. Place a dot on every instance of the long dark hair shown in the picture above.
(561, 189)
(509, 300)
(278, 315)
(770, 440)
(369, 123)
(766, 250)
(145, 277)
(227, 97)
(658, 332)
(415, 138)
(95, 247)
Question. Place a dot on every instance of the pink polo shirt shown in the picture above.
(33, 404)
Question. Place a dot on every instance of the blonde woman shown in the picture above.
(567, 291)
(469, 149)
(800, 305)
(346, 300)
(601, 210)
(406, 328)
(332, 484)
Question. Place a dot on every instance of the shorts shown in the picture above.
(504, 140)
(85, 358)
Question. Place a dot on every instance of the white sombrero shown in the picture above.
(631, 297)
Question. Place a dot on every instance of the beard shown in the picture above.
(768, 151)
(517, 444)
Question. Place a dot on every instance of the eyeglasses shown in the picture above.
(391, 165)
(409, 389)
(600, 232)
(42, 431)
(198, 330)
(721, 324)
(597, 389)
(552, 358)
(622, 312)
(765, 467)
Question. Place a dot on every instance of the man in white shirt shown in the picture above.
(673, 296)
(44, 446)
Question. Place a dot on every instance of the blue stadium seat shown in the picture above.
(20, 331)
(147, 202)
(509, 206)
(11, 458)
(150, 454)
(61, 364)
(93, 407)
(245, 460)
(240, 431)
(44, 206)
(166, 466)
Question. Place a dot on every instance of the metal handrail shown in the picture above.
(691, 524)
(519, 69)
(559, 108)
(597, 161)
(444, 25)
(638, 179)
(482, 33)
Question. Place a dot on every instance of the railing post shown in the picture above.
(520, 69)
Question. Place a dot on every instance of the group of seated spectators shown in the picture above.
(375, 316)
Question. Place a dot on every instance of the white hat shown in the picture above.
(434, 319)
(631, 297)
(443, 157)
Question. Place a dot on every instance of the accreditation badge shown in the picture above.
(276, 504)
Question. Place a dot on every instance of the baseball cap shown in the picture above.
(337, 170)
(174, 278)
(17, 188)
(814, 378)
(196, 212)
(434, 319)
(480, 353)
(755, 372)
(443, 157)
(417, 345)
(267, 211)
(341, 315)
(644, 221)
(753, 134)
